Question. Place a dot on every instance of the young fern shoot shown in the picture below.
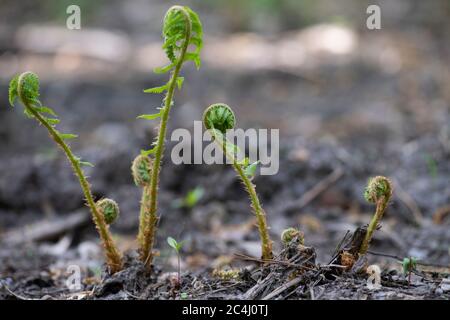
(182, 30)
(378, 191)
(25, 87)
(218, 118)
(141, 170)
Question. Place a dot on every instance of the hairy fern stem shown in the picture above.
(113, 257)
(150, 198)
(266, 242)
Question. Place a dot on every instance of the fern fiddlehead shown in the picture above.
(218, 118)
(290, 234)
(378, 191)
(141, 170)
(25, 87)
(109, 209)
(182, 29)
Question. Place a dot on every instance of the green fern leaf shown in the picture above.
(244, 162)
(13, 90)
(52, 121)
(175, 30)
(251, 169)
(45, 110)
(165, 69)
(86, 164)
(29, 91)
(68, 136)
(83, 163)
(28, 113)
(148, 152)
(191, 56)
(160, 89)
(180, 81)
(196, 23)
(149, 116)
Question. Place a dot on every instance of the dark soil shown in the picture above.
(220, 227)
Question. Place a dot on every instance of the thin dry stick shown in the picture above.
(283, 288)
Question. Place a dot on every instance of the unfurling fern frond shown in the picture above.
(182, 27)
(182, 33)
(217, 119)
(25, 87)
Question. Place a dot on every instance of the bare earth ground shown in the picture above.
(343, 117)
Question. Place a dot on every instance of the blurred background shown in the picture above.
(349, 102)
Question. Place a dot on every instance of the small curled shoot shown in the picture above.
(218, 118)
(25, 87)
(379, 192)
(175, 29)
(290, 234)
(378, 188)
(109, 208)
(141, 170)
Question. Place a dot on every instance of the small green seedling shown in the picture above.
(182, 33)
(431, 166)
(177, 246)
(218, 118)
(378, 191)
(25, 88)
(408, 266)
(191, 199)
(184, 296)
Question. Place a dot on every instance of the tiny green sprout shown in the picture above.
(109, 208)
(191, 199)
(378, 191)
(431, 166)
(177, 246)
(218, 118)
(290, 234)
(408, 266)
(174, 244)
(184, 296)
(183, 40)
(25, 88)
